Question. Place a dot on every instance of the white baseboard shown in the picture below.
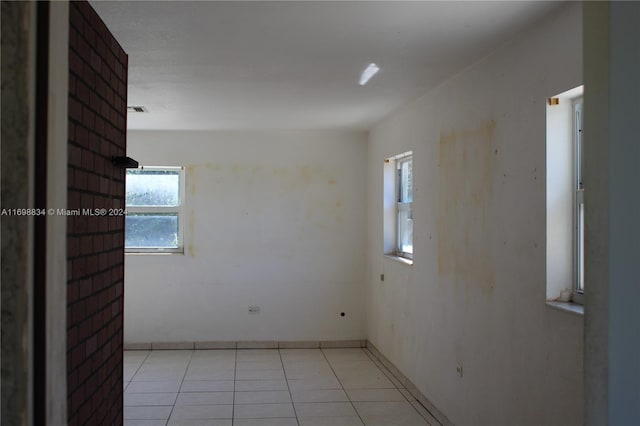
(246, 344)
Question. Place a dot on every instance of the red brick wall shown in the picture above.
(95, 244)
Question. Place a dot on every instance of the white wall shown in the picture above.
(274, 219)
(476, 293)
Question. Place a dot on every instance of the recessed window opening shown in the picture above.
(565, 198)
(398, 206)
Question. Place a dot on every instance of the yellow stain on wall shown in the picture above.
(191, 251)
(465, 188)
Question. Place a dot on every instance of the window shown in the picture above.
(579, 203)
(398, 206)
(404, 216)
(154, 199)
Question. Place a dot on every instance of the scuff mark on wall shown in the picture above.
(465, 185)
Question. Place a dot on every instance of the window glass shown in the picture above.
(151, 231)
(406, 181)
(153, 187)
(404, 217)
(405, 231)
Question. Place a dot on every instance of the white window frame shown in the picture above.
(402, 206)
(179, 210)
(578, 205)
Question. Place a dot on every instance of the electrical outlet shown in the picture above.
(459, 370)
(254, 309)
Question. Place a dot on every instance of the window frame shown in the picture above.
(163, 210)
(578, 201)
(402, 205)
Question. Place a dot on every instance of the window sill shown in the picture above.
(153, 253)
(403, 260)
(567, 307)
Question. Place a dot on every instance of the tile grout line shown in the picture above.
(137, 369)
(284, 371)
(235, 372)
(180, 387)
(132, 377)
(342, 386)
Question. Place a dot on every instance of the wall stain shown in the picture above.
(314, 188)
(306, 175)
(465, 187)
(191, 251)
(281, 171)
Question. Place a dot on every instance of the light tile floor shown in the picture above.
(265, 387)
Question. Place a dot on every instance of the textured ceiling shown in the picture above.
(296, 65)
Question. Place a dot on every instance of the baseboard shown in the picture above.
(246, 344)
(411, 388)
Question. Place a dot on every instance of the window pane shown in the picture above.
(580, 248)
(153, 188)
(405, 231)
(406, 181)
(578, 147)
(151, 231)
